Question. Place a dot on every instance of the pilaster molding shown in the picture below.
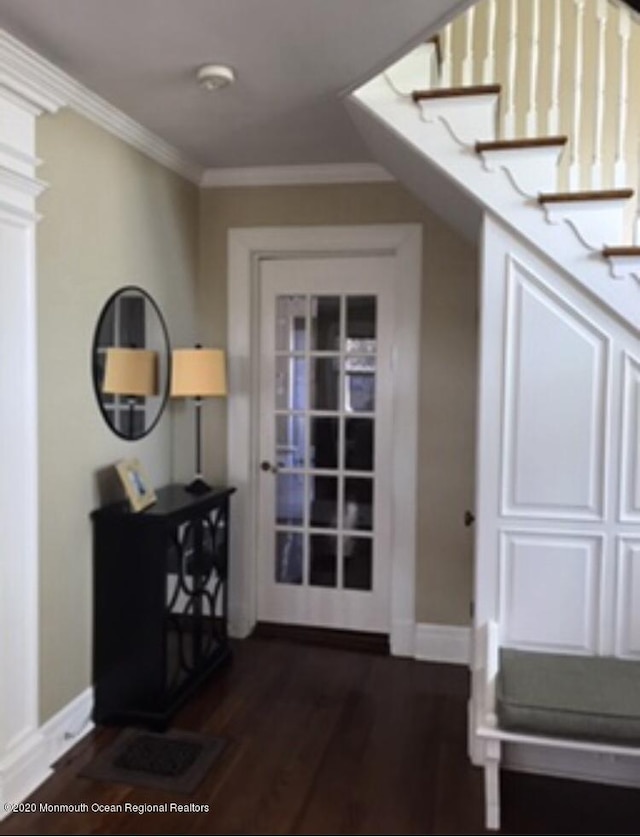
(29, 76)
(30, 186)
(20, 740)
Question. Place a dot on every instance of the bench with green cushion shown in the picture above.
(567, 696)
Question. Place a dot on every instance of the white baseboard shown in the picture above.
(240, 624)
(23, 771)
(402, 639)
(568, 764)
(68, 726)
(422, 641)
(442, 643)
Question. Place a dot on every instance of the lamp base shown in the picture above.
(197, 486)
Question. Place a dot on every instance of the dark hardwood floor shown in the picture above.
(324, 741)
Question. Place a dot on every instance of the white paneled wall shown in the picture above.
(561, 574)
(630, 454)
(628, 602)
(558, 525)
(554, 415)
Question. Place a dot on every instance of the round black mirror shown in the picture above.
(130, 362)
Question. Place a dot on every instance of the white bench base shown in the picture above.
(486, 739)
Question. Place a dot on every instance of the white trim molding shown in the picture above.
(403, 242)
(443, 644)
(603, 768)
(31, 766)
(49, 88)
(296, 175)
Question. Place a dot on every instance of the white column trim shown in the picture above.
(246, 247)
(20, 739)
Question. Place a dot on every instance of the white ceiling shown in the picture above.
(293, 59)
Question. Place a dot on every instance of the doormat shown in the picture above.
(174, 761)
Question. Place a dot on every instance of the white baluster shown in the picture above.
(553, 114)
(489, 62)
(467, 61)
(601, 77)
(624, 34)
(531, 123)
(445, 45)
(512, 62)
(576, 126)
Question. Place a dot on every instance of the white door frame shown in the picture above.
(247, 247)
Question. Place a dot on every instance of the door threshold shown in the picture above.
(362, 641)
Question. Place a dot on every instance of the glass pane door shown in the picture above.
(325, 397)
(322, 448)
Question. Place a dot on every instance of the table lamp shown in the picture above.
(130, 373)
(198, 373)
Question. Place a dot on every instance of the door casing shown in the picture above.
(247, 248)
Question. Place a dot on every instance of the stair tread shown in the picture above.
(629, 250)
(453, 92)
(523, 142)
(594, 195)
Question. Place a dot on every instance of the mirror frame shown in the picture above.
(164, 396)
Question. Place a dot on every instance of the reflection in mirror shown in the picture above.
(131, 356)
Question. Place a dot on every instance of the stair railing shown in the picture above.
(564, 67)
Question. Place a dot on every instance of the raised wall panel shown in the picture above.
(628, 597)
(630, 444)
(555, 405)
(550, 591)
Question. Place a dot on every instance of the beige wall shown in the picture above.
(447, 417)
(111, 217)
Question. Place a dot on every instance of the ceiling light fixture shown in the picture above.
(215, 76)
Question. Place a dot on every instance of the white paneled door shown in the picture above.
(325, 431)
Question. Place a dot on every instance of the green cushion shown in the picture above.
(593, 698)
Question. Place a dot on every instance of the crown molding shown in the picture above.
(295, 175)
(28, 75)
(46, 88)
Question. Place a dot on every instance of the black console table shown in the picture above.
(159, 604)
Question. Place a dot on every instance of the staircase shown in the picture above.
(545, 182)
(426, 133)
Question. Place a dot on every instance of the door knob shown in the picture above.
(267, 466)
(469, 518)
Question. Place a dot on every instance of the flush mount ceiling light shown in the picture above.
(215, 76)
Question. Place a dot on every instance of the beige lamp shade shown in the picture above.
(131, 372)
(198, 373)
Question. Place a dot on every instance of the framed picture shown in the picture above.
(135, 483)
